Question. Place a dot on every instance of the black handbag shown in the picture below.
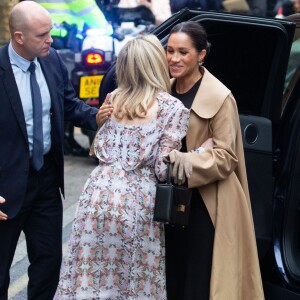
(172, 202)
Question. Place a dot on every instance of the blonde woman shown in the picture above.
(116, 251)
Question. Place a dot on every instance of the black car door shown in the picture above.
(286, 200)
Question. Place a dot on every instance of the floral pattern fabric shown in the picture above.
(115, 250)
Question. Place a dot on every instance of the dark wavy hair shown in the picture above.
(196, 32)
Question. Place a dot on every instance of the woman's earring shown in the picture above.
(200, 62)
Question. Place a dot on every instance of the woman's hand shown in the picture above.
(3, 216)
(104, 111)
(182, 168)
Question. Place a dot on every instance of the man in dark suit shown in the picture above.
(30, 192)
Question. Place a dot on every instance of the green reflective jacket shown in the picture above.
(77, 12)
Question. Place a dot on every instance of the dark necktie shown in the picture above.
(38, 145)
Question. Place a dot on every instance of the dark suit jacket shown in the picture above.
(14, 148)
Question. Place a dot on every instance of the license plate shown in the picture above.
(89, 86)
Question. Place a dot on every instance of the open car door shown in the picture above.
(282, 278)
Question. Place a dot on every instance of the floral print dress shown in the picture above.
(115, 250)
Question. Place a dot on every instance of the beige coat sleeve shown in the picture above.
(217, 163)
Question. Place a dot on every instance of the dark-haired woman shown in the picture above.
(215, 257)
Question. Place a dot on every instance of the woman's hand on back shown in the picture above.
(104, 111)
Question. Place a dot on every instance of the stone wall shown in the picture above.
(5, 7)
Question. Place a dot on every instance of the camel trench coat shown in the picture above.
(220, 176)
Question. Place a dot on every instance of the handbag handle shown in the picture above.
(169, 173)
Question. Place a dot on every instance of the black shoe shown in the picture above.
(80, 152)
(67, 147)
(71, 147)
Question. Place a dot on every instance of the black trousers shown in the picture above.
(189, 254)
(40, 218)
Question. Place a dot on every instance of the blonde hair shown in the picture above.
(142, 72)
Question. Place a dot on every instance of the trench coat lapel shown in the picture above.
(210, 96)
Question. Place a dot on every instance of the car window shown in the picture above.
(294, 59)
(293, 68)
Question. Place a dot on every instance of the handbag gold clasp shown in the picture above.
(181, 208)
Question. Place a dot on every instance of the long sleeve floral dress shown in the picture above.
(116, 251)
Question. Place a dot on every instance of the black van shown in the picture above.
(250, 55)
